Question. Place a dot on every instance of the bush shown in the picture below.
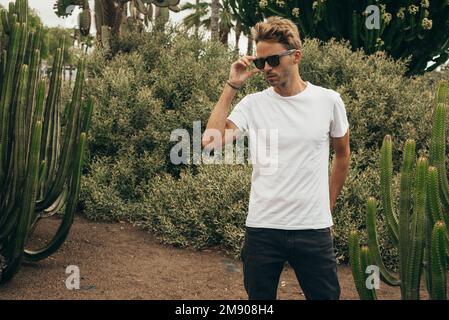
(200, 210)
(169, 80)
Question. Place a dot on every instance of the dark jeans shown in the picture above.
(309, 252)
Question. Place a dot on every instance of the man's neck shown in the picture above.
(291, 88)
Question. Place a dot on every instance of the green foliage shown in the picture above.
(200, 210)
(406, 28)
(52, 37)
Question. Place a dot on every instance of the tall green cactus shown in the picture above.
(419, 228)
(407, 28)
(39, 170)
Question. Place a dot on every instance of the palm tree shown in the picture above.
(238, 32)
(202, 17)
(195, 19)
(225, 24)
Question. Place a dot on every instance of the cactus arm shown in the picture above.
(22, 10)
(365, 261)
(434, 203)
(61, 175)
(386, 181)
(438, 258)
(28, 207)
(88, 115)
(433, 214)
(374, 246)
(5, 21)
(438, 142)
(67, 221)
(18, 149)
(404, 210)
(6, 97)
(415, 255)
(354, 262)
(56, 206)
(438, 149)
(48, 149)
(32, 90)
(356, 267)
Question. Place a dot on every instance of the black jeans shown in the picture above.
(309, 252)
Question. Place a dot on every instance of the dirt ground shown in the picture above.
(119, 261)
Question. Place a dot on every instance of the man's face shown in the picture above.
(279, 75)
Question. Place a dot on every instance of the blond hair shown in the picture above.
(277, 29)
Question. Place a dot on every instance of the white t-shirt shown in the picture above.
(291, 190)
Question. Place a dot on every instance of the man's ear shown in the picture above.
(298, 56)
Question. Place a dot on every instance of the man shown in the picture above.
(289, 216)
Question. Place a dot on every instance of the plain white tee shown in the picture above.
(289, 149)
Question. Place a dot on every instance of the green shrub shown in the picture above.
(200, 210)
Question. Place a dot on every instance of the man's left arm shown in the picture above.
(340, 167)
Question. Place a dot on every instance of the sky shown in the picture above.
(44, 9)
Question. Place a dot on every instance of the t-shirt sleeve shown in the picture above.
(239, 115)
(339, 123)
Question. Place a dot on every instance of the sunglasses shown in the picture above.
(272, 60)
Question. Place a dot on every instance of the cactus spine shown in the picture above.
(419, 229)
(39, 172)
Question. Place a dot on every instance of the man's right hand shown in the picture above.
(239, 73)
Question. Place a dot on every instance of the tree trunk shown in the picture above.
(238, 32)
(214, 18)
(224, 37)
(250, 49)
(197, 27)
(119, 13)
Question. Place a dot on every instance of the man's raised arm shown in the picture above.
(214, 135)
